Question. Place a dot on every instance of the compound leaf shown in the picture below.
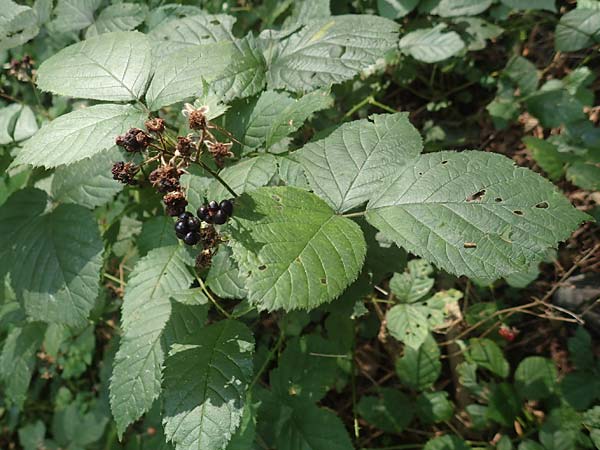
(473, 213)
(113, 66)
(137, 371)
(79, 135)
(358, 158)
(205, 383)
(330, 51)
(296, 251)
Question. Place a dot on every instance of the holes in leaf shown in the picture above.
(518, 212)
(277, 198)
(323, 280)
(542, 205)
(215, 22)
(497, 199)
(470, 245)
(476, 196)
(262, 267)
(445, 161)
(420, 173)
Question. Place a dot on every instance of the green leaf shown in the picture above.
(359, 158)
(113, 66)
(245, 176)
(395, 9)
(181, 75)
(585, 175)
(55, 258)
(580, 389)
(535, 378)
(523, 73)
(31, 436)
(504, 404)
(277, 114)
(453, 8)
(118, 17)
(17, 361)
(243, 438)
(420, 368)
(18, 24)
(548, 5)
(200, 29)
(577, 29)
(408, 324)
(87, 182)
(78, 135)
(447, 442)
(156, 232)
(391, 412)
(224, 277)
(580, 350)
(415, 283)
(306, 12)
(547, 156)
(302, 254)
(305, 426)
(486, 354)
(205, 384)
(330, 51)
(137, 372)
(431, 45)
(8, 119)
(434, 407)
(477, 31)
(74, 15)
(555, 108)
(245, 76)
(473, 213)
(187, 317)
(560, 430)
(303, 371)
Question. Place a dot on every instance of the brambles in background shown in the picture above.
(216, 213)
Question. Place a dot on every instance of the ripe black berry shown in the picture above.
(213, 206)
(180, 235)
(220, 217)
(181, 227)
(193, 224)
(227, 207)
(203, 213)
(185, 216)
(192, 238)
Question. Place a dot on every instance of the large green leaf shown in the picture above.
(54, 257)
(408, 324)
(577, 29)
(486, 353)
(224, 278)
(113, 66)
(359, 158)
(453, 8)
(548, 5)
(118, 17)
(431, 44)
(296, 251)
(74, 15)
(17, 361)
(244, 176)
(277, 114)
(392, 411)
(394, 9)
(79, 135)
(181, 75)
(473, 213)
(18, 24)
(205, 384)
(87, 182)
(137, 373)
(200, 29)
(156, 232)
(535, 378)
(420, 368)
(330, 51)
(245, 76)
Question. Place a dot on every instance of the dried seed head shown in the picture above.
(184, 146)
(175, 203)
(135, 140)
(165, 179)
(157, 125)
(210, 237)
(125, 172)
(220, 151)
(21, 69)
(196, 117)
(203, 259)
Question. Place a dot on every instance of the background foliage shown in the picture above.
(374, 290)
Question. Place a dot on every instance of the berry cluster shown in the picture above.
(216, 213)
(187, 228)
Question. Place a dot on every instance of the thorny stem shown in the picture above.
(211, 298)
(272, 352)
(218, 178)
